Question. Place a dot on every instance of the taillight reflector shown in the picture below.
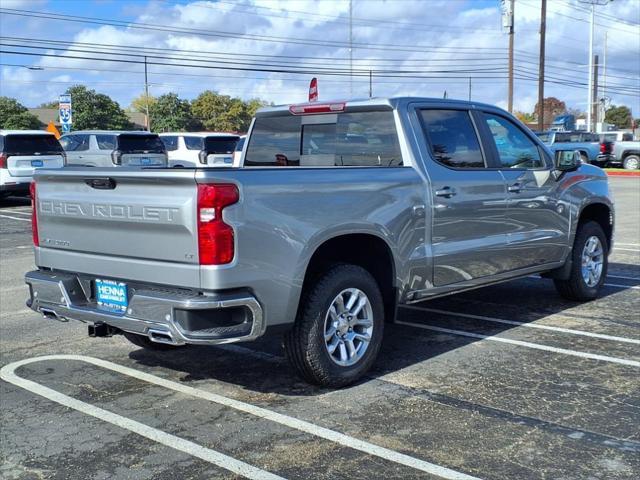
(3, 160)
(34, 214)
(215, 238)
(317, 108)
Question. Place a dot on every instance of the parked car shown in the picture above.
(21, 153)
(625, 154)
(588, 144)
(616, 136)
(109, 148)
(237, 154)
(200, 149)
(340, 213)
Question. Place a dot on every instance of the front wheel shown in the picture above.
(589, 264)
(338, 332)
(632, 162)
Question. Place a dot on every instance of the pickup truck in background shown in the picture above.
(626, 154)
(588, 144)
(340, 213)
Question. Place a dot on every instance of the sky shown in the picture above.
(222, 45)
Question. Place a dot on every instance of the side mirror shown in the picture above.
(567, 160)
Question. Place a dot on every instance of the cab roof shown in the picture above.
(25, 132)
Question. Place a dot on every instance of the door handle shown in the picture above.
(446, 192)
(515, 188)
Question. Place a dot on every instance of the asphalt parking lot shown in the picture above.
(509, 381)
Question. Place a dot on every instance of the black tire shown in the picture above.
(305, 344)
(631, 162)
(144, 342)
(575, 288)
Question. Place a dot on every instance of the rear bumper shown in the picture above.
(606, 158)
(165, 315)
(22, 187)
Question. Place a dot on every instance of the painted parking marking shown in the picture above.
(536, 346)
(623, 277)
(7, 373)
(627, 244)
(19, 212)
(636, 250)
(615, 285)
(16, 218)
(525, 324)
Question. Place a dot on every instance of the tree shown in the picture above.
(51, 104)
(139, 104)
(552, 108)
(619, 116)
(170, 113)
(92, 110)
(525, 117)
(224, 113)
(15, 116)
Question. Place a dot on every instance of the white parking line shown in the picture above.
(624, 278)
(626, 249)
(616, 285)
(536, 346)
(525, 324)
(19, 212)
(16, 218)
(7, 373)
(628, 244)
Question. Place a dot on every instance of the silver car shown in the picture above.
(109, 148)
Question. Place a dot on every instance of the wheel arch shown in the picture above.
(600, 213)
(368, 250)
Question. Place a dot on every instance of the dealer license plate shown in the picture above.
(111, 295)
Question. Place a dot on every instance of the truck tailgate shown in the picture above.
(138, 214)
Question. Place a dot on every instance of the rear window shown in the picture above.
(365, 139)
(29, 144)
(140, 144)
(170, 143)
(221, 144)
(544, 137)
(194, 143)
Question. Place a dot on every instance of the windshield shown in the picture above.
(30, 144)
(220, 144)
(140, 144)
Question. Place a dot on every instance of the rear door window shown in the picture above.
(106, 142)
(453, 139)
(220, 144)
(75, 143)
(30, 144)
(140, 144)
(194, 143)
(515, 148)
(363, 139)
(170, 143)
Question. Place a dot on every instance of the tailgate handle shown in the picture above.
(101, 183)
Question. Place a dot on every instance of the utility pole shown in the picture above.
(370, 84)
(351, 48)
(594, 93)
(543, 33)
(511, 31)
(604, 68)
(470, 90)
(146, 96)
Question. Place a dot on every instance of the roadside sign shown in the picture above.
(64, 108)
(313, 90)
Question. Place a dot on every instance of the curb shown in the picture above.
(624, 174)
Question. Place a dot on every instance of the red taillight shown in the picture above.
(316, 108)
(606, 147)
(215, 238)
(3, 160)
(34, 214)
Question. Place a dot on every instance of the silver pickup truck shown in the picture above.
(339, 213)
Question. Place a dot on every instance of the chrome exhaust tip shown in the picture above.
(161, 336)
(51, 314)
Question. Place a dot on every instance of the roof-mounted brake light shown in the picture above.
(317, 108)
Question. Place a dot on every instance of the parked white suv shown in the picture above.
(200, 149)
(22, 152)
(109, 148)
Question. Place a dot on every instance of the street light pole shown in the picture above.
(590, 92)
(146, 96)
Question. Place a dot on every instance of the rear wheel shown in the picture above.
(589, 264)
(631, 162)
(338, 332)
(144, 342)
